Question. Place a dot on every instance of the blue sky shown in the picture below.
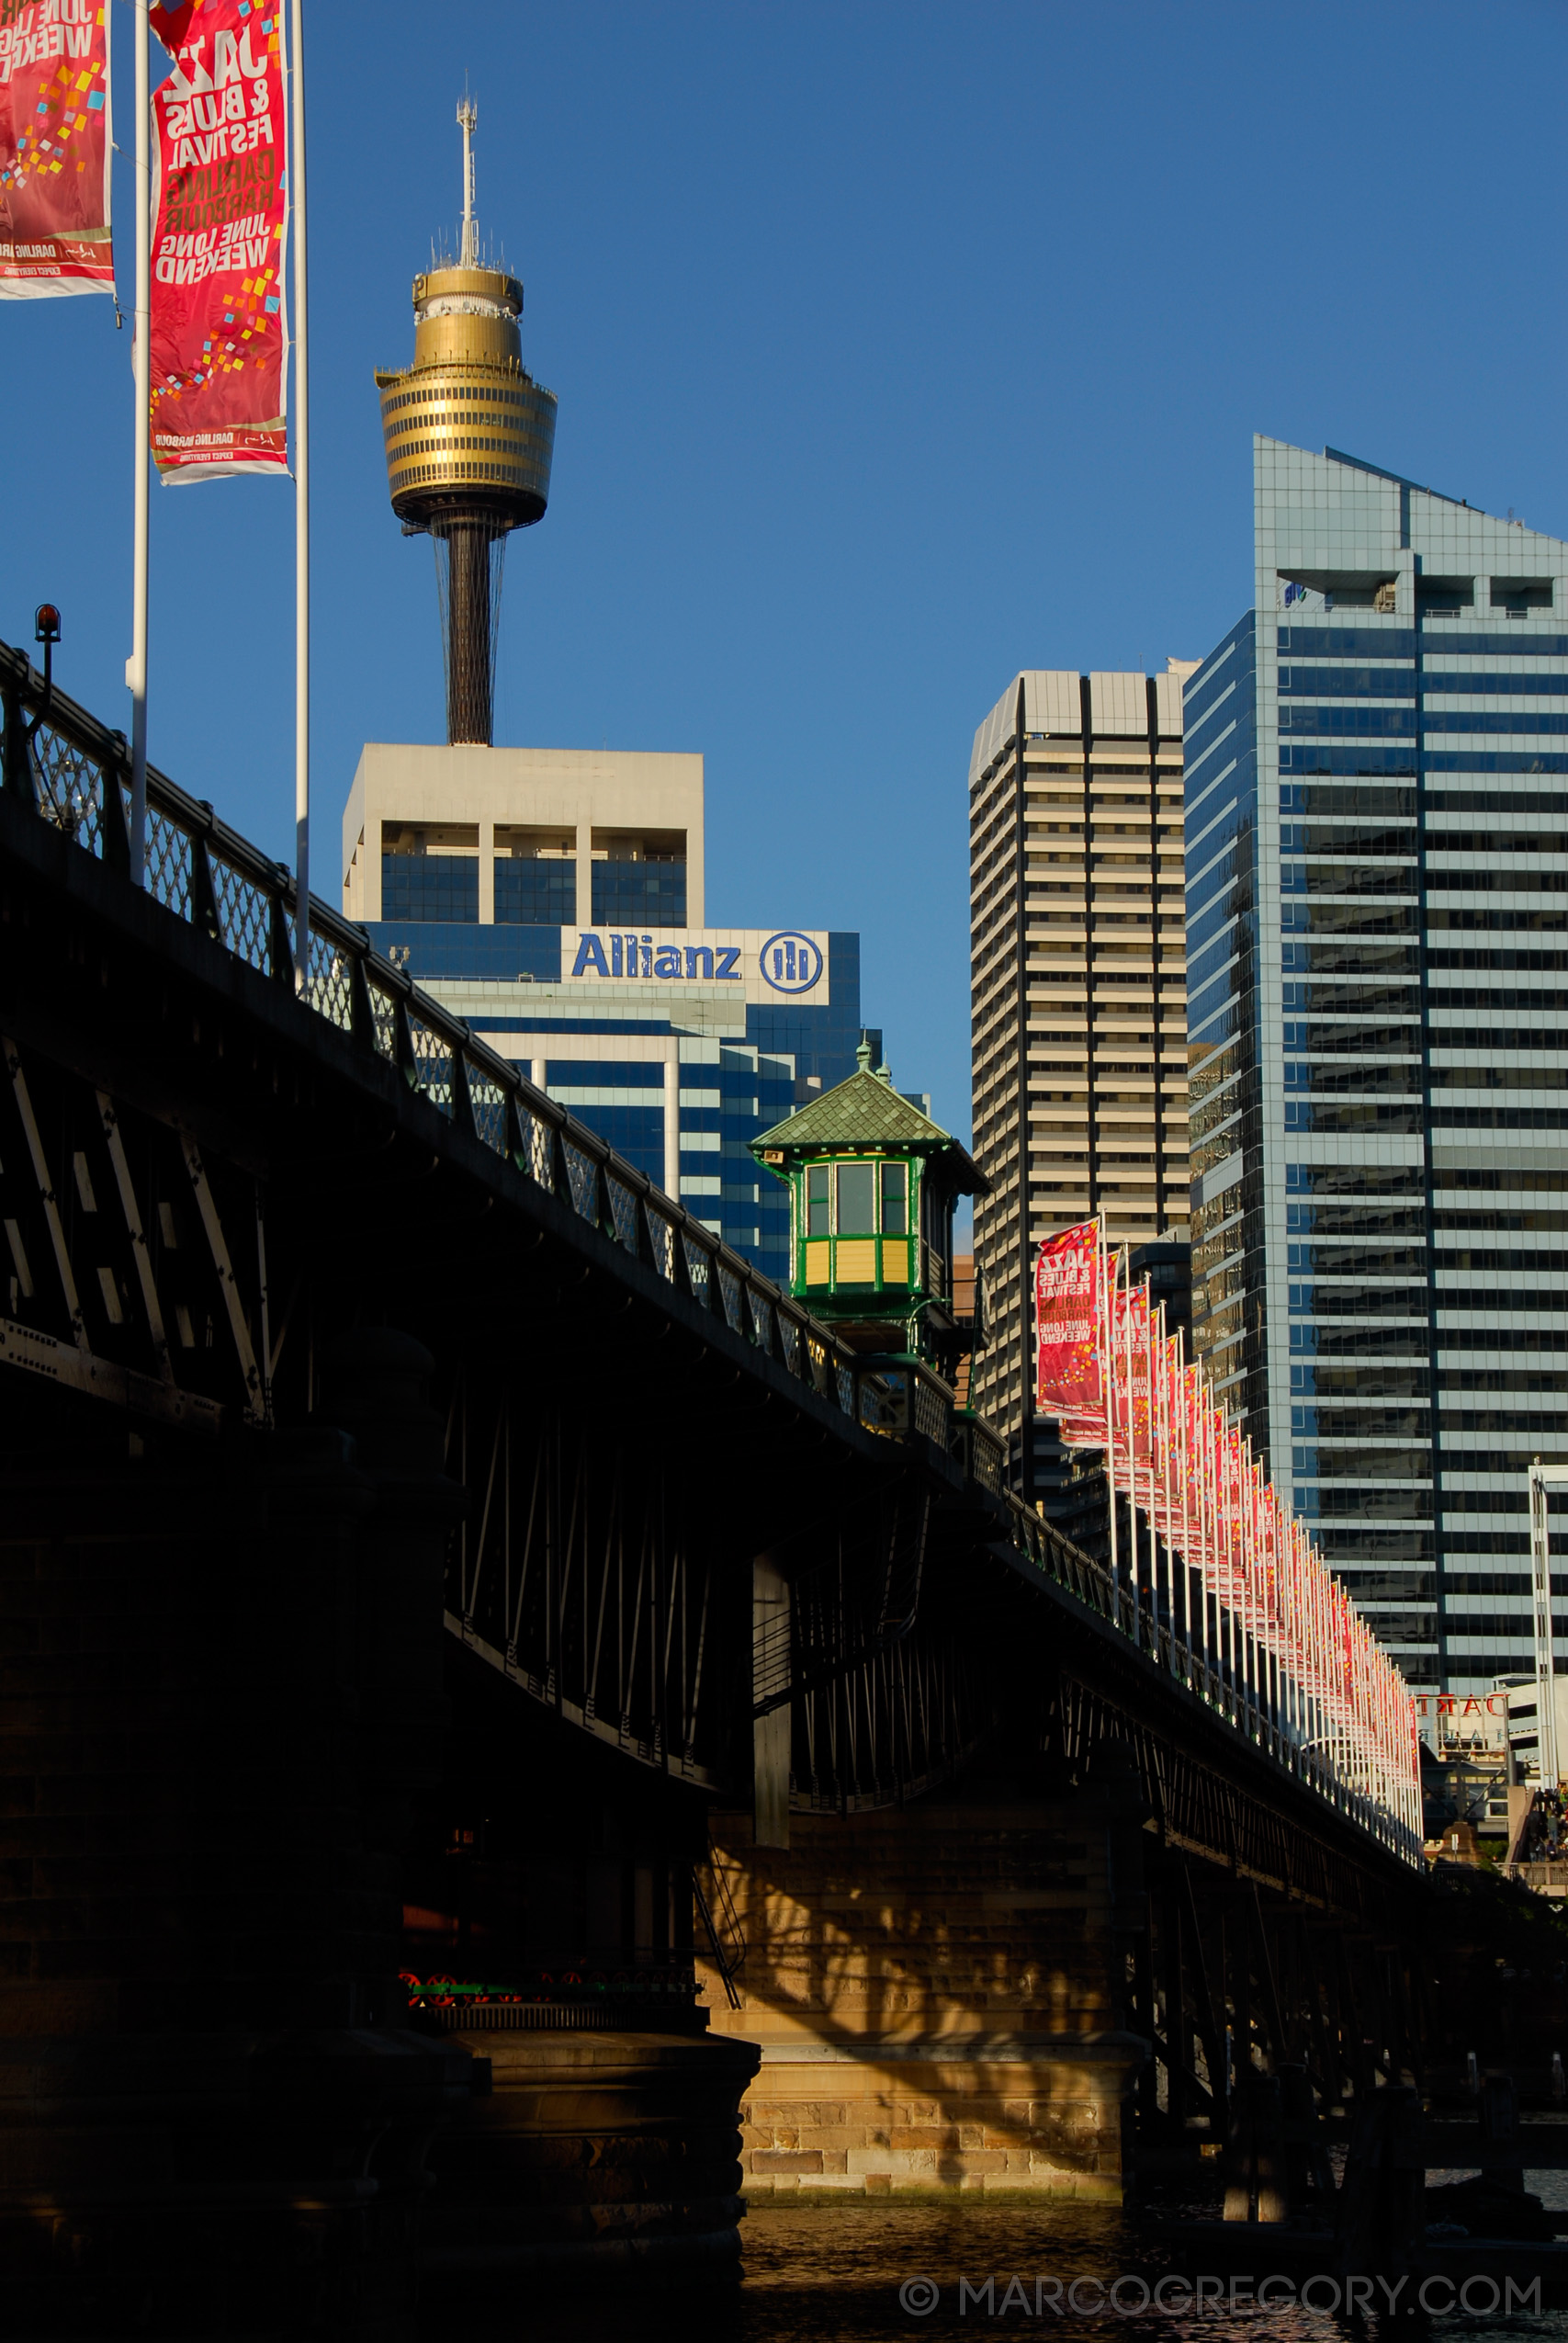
(897, 348)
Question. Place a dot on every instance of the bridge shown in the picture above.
(460, 1615)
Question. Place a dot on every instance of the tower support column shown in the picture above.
(469, 711)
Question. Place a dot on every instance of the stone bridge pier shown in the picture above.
(939, 1991)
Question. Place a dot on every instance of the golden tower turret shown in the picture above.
(469, 435)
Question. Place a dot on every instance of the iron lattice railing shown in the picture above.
(76, 775)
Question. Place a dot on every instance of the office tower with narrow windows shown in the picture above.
(1377, 865)
(1078, 1005)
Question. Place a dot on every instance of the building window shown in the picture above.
(639, 894)
(857, 1199)
(534, 893)
(535, 875)
(639, 878)
(430, 871)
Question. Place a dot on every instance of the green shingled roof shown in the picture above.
(863, 1112)
(867, 1112)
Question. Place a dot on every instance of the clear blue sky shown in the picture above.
(898, 347)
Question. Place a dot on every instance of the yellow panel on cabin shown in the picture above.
(818, 1270)
(895, 1260)
(857, 1261)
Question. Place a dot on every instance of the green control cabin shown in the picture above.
(874, 1184)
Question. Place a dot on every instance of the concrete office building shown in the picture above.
(1377, 978)
(1077, 1000)
(554, 898)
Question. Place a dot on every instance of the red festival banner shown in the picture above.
(1066, 1325)
(218, 338)
(1266, 1629)
(55, 144)
(1130, 1341)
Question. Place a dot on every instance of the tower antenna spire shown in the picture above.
(468, 116)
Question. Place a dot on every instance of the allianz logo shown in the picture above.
(789, 962)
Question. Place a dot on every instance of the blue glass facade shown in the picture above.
(677, 1076)
(638, 894)
(534, 892)
(430, 887)
(1377, 892)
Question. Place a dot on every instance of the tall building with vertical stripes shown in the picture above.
(1079, 1001)
(1377, 929)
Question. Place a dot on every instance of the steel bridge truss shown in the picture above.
(576, 1576)
(132, 1269)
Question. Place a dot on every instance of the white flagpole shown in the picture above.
(302, 520)
(141, 361)
(1134, 1567)
(1178, 1394)
(1103, 1269)
(1153, 1342)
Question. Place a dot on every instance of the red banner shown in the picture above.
(217, 325)
(1130, 1341)
(1271, 1629)
(1066, 1326)
(54, 147)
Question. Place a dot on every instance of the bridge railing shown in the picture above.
(1321, 1767)
(74, 773)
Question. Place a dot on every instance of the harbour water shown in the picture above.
(893, 2272)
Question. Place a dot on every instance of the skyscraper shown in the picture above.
(1077, 998)
(1377, 981)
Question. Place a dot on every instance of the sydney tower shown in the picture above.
(469, 435)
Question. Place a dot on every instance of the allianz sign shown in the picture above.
(792, 961)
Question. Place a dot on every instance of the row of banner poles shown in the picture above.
(302, 520)
(136, 669)
(1230, 1590)
(211, 329)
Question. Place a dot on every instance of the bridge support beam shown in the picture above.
(210, 2119)
(770, 1730)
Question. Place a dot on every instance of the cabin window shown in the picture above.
(816, 1200)
(857, 1199)
(895, 1200)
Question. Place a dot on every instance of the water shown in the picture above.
(894, 2272)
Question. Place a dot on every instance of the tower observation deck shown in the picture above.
(468, 438)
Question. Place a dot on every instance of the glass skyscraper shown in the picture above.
(1377, 900)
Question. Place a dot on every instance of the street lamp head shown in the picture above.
(46, 623)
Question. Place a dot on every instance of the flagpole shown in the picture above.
(1103, 1259)
(1134, 1571)
(141, 368)
(302, 520)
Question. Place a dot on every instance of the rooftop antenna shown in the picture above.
(468, 116)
